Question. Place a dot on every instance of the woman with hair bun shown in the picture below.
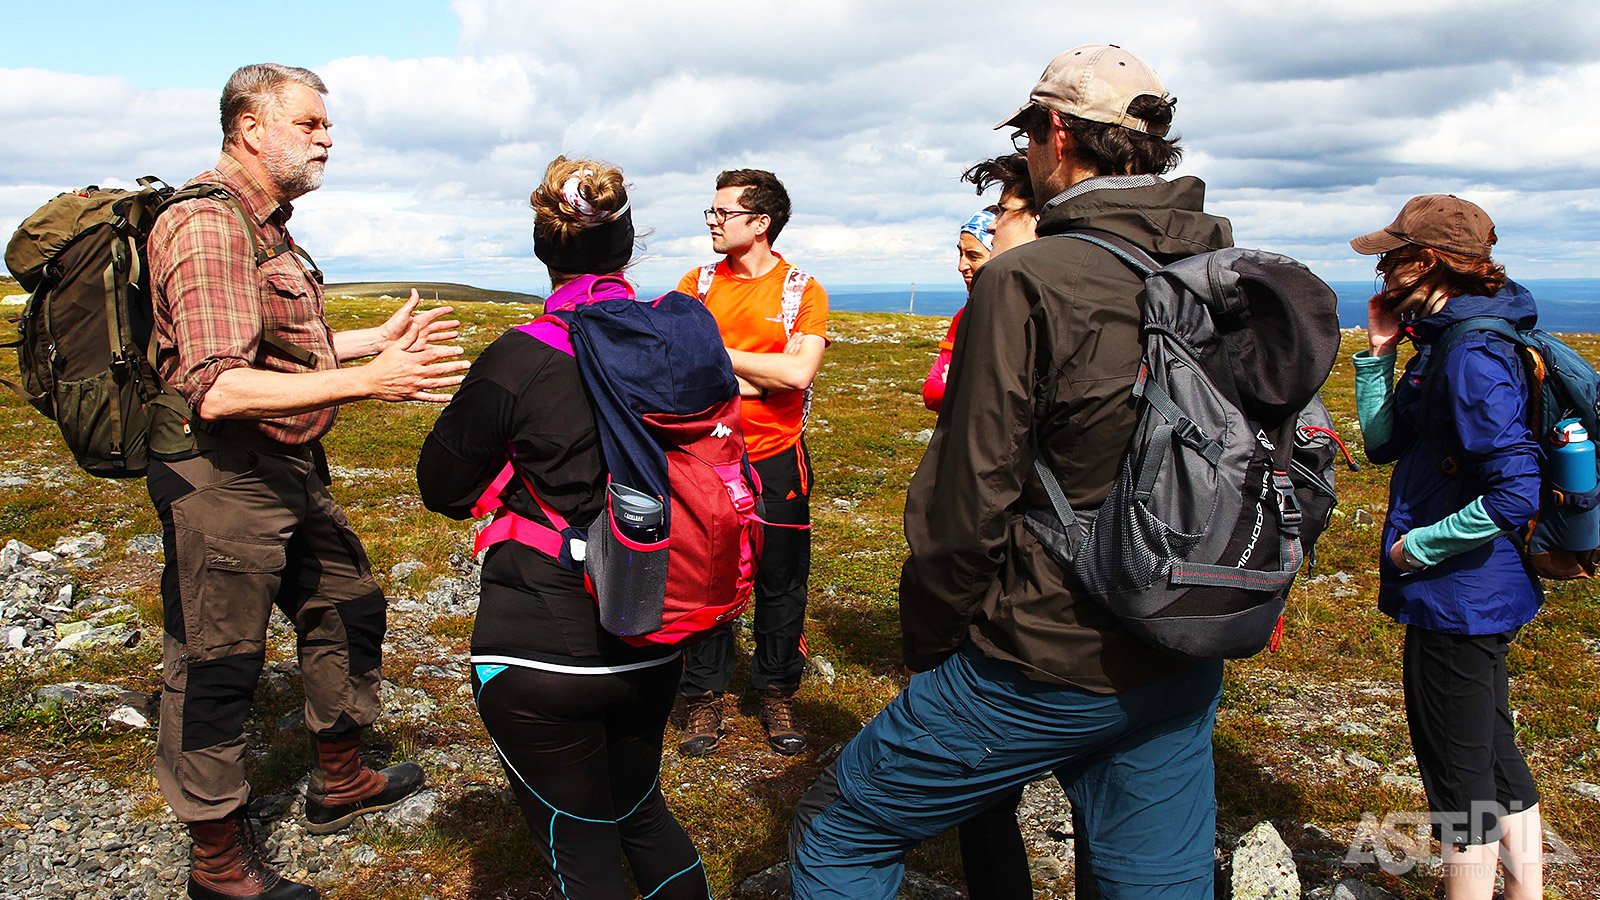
(1466, 478)
(575, 713)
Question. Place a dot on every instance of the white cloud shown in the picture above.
(1310, 121)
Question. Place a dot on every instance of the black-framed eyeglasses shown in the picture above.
(720, 216)
(1019, 140)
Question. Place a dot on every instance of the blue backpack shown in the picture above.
(1561, 385)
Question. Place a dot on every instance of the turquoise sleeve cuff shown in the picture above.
(1455, 533)
(1375, 396)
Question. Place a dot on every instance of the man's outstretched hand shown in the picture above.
(413, 367)
(432, 331)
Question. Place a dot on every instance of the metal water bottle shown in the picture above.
(1572, 467)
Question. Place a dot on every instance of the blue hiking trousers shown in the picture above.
(1136, 766)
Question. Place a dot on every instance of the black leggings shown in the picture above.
(583, 756)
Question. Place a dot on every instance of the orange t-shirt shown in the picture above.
(749, 313)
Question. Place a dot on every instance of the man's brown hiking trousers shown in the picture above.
(245, 530)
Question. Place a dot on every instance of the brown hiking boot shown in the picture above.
(226, 864)
(342, 788)
(777, 716)
(703, 731)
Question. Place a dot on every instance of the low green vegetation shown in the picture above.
(1289, 723)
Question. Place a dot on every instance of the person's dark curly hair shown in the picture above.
(1009, 171)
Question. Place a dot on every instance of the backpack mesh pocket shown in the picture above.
(1128, 548)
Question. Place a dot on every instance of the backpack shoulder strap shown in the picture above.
(1136, 257)
(1458, 332)
(263, 253)
(1461, 329)
(707, 273)
(794, 291)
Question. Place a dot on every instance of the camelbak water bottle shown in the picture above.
(627, 562)
(1572, 472)
(1572, 458)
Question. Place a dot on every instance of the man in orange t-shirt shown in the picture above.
(774, 322)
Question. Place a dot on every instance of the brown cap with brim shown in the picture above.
(1095, 82)
(1441, 221)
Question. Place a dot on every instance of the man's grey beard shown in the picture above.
(293, 175)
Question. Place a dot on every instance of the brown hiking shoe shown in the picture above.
(703, 731)
(227, 865)
(777, 716)
(341, 788)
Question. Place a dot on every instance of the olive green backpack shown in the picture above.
(83, 340)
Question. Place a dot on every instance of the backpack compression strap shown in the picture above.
(794, 291)
(508, 526)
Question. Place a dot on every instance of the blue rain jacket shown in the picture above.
(1476, 415)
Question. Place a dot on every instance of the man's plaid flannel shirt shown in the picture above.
(212, 302)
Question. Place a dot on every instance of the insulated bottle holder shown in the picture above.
(626, 562)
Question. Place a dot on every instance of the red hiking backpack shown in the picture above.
(667, 407)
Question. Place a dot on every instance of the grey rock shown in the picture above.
(72, 693)
(81, 545)
(819, 668)
(68, 629)
(1408, 782)
(143, 545)
(13, 481)
(415, 810)
(43, 558)
(925, 436)
(363, 856)
(1263, 867)
(1349, 889)
(400, 571)
(439, 672)
(447, 591)
(921, 887)
(1358, 761)
(1363, 518)
(103, 616)
(111, 636)
(1585, 790)
(770, 880)
(270, 807)
(128, 717)
(14, 638)
(1357, 728)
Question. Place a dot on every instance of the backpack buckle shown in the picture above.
(1188, 432)
(1288, 504)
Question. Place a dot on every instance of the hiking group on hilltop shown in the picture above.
(1129, 465)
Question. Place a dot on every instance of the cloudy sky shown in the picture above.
(1309, 121)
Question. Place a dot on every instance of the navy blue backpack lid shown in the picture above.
(654, 363)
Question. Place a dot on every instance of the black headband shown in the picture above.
(596, 250)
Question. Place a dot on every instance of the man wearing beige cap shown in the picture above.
(1020, 672)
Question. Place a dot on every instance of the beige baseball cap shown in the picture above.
(1441, 221)
(1095, 82)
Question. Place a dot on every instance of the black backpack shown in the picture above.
(1228, 479)
(83, 337)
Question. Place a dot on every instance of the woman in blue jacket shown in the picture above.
(1466, 478)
